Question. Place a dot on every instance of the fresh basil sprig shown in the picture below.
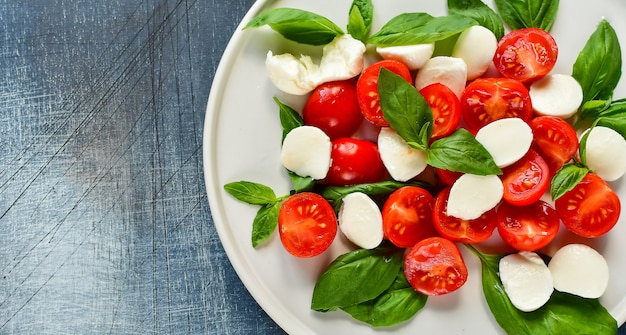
(479, 11)
(461, 152)
(335, 194)
(528, 13)
(360, 19)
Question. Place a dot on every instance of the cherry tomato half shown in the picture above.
(590, 209)
(407, 216)
(528, 228)
(307, 224)
(446, 109)
(447, 177)
(354, 161)
(489, 99)
(455, 229)
(367, 89)
(434, 266)
(526, 54)
(334, 108)
(526, 180)
(555, 140)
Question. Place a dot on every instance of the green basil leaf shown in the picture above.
(404, 108)
(360, 19)
(480, 12)
(528, 13)
(251, 193)
(298, 25)
(301, 184)
(265, 223)
(335, 194)
(397, 304)
(356, 277)
(614, 117)
(419, 28)
(598, 67)
(591, 110)
(461, 152)
(289, 118)
(566, 179)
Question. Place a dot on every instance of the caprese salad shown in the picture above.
(459, 129)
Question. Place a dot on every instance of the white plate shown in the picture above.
(242, 142)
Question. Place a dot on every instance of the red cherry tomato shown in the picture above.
(455, 229)
(555, 140)
(367, 89)
(354, 161)
(445, 107)
(489, 99)
(334, 108)
(526, 54)
(307, 224)
(447, 177)
(527, 180)
(528, 228)
(591, 209)
(434, 266)
(407, 216)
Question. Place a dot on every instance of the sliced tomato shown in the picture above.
(354, 161)
(407, 216)
(367, 89)
(590, 209)
(446, 109)
(526, 54)
(528, 228)
(526, 180)
(489, 99)
(434, 266)
(334, 108)
(555, 140)
(307, 224)
(455, 229)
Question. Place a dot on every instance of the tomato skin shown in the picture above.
(459, 230)
(334, 108)
(526, 180)
(367, 89)
(354, 161)
(447, 177)
(590, 209)
(407, 216)
(446, 109)
(434, 266)
(528, 228)
(526, 54)
(555, 140)
(489, 99)
(307, 224)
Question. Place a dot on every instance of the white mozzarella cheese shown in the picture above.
(606, 153)
(413, 56)
(556, 95)
(342, 59)
(401, 160)
(471, 196)
(306, 152)
(507, 140)
(449, 71)
(526, 279)
(476, 47)
(361, 221)
(579, 269)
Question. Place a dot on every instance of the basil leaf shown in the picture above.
(397, 304)
(289, 118)
(335, 194)
(298, 25)
(614, 117)
(479, 11)
(360, 19)
(301, 184)
(591, 110)
(419, 28)
(598, 67)
(265, 223)
(528, 13)
(356, 277)
(566, 179)
(461, 152)
(404, 108)
(251, 193)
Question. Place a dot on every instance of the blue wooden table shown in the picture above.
(104, 221)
